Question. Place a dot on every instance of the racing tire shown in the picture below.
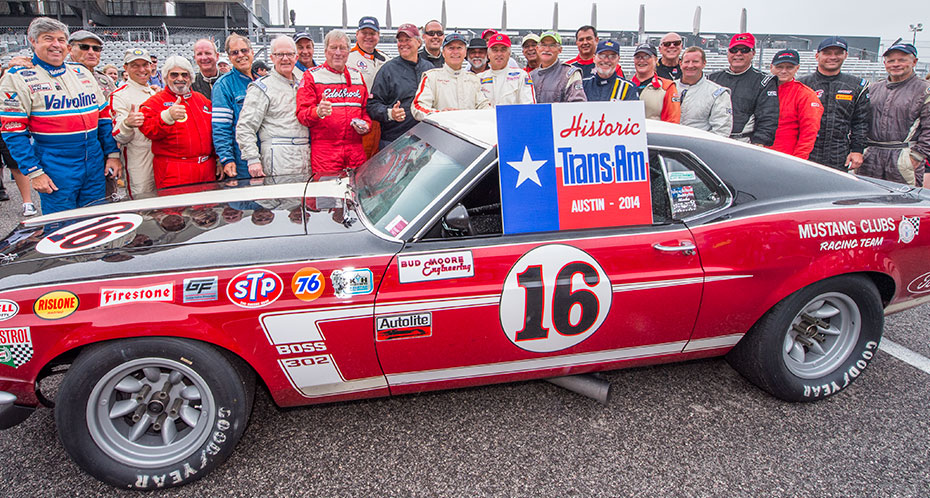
(815, 342)
(153, 412)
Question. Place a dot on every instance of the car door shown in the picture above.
(487, 308)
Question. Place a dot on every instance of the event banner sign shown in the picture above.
(573, 165)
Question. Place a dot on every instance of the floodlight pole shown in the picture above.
(916, 28)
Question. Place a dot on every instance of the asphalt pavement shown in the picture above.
(690, 429)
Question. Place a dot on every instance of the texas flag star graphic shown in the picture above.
(527, 168)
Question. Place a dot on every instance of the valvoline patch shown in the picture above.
(255, 288)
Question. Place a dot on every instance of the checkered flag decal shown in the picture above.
(915, 222)
(18, 354)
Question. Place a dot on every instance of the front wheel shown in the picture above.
(153, 412)
(815, 342)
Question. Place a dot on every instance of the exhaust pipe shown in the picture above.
(591, 386)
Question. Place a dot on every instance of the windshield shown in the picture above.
(398, 183)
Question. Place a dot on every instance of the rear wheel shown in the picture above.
(153, 412)
(815, 342)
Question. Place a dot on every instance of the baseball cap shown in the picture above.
(409, 30)
(743, 39)
(224, 59)
(607, 46)
(134, 54)
(477, 43)
(649, 49)
(369, 22)
(453, 37)
(530, 37)
(551, 34)
(499, 39)
(833, 41)
(302, 36)
(488, 32)
(788, 55)
(83, 34)
(907, 48)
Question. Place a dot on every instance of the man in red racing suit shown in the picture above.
(331, 102)
(177, 121)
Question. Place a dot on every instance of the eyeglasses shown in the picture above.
(433, 33)
(184, 75)
(284, 55)
(86, 46)
(741, 50)
(243, 51)
(675, 43)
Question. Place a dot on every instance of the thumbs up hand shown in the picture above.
(177, 111)
(397, 112)
(135, 118)
(324, 108)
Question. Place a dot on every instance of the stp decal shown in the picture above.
(254, 288)
(554, 297)
(198, 290)
(583, 165)
(15, 346)
(89, 233)
(152, 293)
(56, 305)
(352, 282)
(8, 309)
(424, 267)
(404, 326)
(308, 284)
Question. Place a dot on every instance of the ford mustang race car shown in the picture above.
(164, 313)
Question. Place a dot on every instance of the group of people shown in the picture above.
(71, 131)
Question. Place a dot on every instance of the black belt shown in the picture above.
(887, 145)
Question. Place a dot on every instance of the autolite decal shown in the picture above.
(404, 326)
(15, 346)
(153, 293)
(255, 288)
(8, 309)
(56, 305)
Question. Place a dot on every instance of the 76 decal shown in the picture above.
(554, 297)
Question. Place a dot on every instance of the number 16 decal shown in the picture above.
(554, 297)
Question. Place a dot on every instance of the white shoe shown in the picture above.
(29, 209)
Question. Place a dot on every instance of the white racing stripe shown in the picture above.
(900, 352)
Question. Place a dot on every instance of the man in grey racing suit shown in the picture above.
(704, 104)
(269, 115)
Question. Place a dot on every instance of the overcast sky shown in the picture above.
(784, 16)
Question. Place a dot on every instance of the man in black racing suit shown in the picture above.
(754, 94)
(847, 111)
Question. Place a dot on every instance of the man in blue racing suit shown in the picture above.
(228, 96)
(57, 124)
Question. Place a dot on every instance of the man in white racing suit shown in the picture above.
(269, 115)
(704, 104)
(449, 87)
(503, 84)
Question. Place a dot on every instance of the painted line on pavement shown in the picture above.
(900, 352)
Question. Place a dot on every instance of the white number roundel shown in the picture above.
(89, 233)
(554, 297)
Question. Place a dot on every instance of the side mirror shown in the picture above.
(457, 223)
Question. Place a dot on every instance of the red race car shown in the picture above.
(403, 278)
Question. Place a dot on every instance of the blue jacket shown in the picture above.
(228, 95)
(613, 88)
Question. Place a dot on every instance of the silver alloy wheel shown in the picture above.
(822, 335)
(150, 412)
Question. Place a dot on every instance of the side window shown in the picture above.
(691, 189)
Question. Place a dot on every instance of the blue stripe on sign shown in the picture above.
(524, 137)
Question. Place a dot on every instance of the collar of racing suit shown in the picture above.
(654, 81)
(893, 84)
(145, 88)
(53, 70)
(453, 71)
(372, 56)
(294, 81)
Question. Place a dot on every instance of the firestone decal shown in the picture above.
(89, 233)
(8, 309)
(554, 297)
(352, 282)
(56, 305)
(255, 288)
(441, 266)
(152, 293)
(15, 346)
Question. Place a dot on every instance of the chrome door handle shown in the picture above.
(684, 246)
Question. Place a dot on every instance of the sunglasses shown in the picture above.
(433, 33)
(675, 43)
(175, 75)
(740, 50)
(243, 51)
(86, 46)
